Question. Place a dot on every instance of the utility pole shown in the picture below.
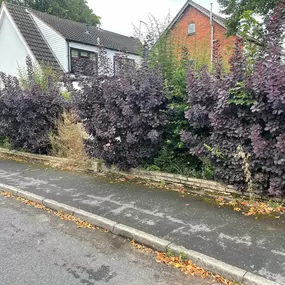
(140, 28)
(212, 34)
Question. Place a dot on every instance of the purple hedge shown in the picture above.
(27, 116)
(241, 109)
(124, 116)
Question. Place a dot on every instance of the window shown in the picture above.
(84, 62)
(84, 54)
(123, 64)
(191, 29)
(77, 53)
(74, 53)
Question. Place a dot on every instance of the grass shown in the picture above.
(4, 143)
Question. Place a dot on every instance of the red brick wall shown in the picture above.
(199, 44)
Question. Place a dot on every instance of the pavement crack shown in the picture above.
(29, 170)
(113, 229)
(242, 279)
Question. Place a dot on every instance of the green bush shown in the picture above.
(171, 161)
(173, 156)
(44, 76)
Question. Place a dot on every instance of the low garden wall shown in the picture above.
(191, 185)
(29, 157)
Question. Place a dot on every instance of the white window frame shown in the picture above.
(191, 29)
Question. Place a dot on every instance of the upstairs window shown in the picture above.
(191, 29)
(84, 62)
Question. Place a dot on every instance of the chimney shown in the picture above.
(87, 29)
(98, 41)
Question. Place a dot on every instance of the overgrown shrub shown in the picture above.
(68, 141)
(84, 66)
(171, 161)
(41, 75)
(124, 116)
(28, 115)
(245, 111)
(166, 53)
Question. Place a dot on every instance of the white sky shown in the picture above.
(118, 15)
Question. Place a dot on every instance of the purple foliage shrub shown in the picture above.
(123, 115)
(27, 116)
(84, 66)
(241, 109)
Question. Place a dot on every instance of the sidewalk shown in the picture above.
(254, 245)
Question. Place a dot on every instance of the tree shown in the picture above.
(234, 9)
(76, 10)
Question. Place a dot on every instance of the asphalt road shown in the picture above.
(257, 246)
(38, 248)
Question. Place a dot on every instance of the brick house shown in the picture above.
(196, 29)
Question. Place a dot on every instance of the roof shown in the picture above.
(74, 31)
(32, 35)
(70, 30)
(218, 19)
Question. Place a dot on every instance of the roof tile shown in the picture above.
(74, 31)
(32, 35)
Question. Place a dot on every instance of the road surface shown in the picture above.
(257, 246)
(38, 248)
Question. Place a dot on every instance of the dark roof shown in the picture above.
(32, 35)
(74, 31)
(218, 19)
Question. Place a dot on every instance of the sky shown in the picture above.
(120, 15)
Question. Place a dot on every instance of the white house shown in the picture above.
(46, 38)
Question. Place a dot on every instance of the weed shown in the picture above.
(68, 142)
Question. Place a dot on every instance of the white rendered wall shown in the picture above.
(13, 52)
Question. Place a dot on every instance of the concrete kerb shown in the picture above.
(30, 196)
(209, 263)
(141, 237)
(252, 279)
(8, 188)
(22, 193)
(214, 265)
(54, 205)
(95, 220)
